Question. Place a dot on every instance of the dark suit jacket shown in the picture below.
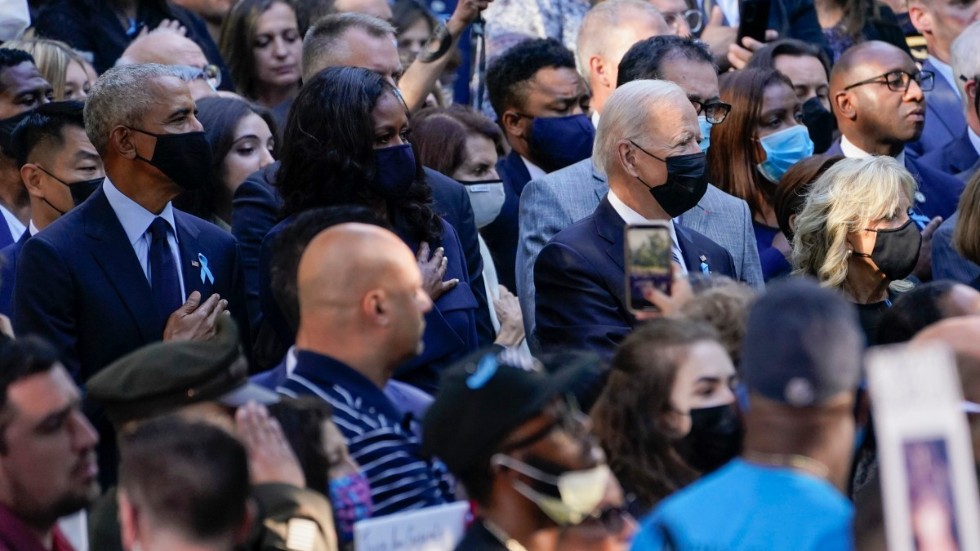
(938, 193)
(80, 285)
(92, 26)
(944, 115)
(580, 286)
(956, 158)
(501, 234)
(8, 267)
(255, 211)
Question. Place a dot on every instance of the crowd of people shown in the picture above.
(270, 268)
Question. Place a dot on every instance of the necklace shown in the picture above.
(791, 460)
(510, 543)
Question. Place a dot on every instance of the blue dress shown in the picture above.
(774, 264)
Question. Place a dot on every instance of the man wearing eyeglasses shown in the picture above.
(512, 433)
(876, 92)
(168, 47)
(554, 202)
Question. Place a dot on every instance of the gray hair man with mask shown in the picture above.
(647, 145)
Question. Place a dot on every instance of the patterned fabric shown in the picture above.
(510, 20)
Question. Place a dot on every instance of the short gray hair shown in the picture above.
(600, 23)
(121, 97)
(965, 58)
(321, 45)
(625, 116)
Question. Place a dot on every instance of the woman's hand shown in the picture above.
(508, 310)
(923, 266)
(433, 270)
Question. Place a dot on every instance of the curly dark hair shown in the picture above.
(508, 74)
(628, 416)
(328, 155)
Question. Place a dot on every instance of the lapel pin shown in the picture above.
(205, 271)
(705, 269)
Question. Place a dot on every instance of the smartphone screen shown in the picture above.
(647, 263)
(754, 19)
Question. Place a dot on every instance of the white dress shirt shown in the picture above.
(136, 221)
(852, 151)
(630, 216)
(534, 170)
(17, 228)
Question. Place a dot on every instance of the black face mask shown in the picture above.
(184, 158)
(896, 251)
(715, 438)
(820, 123)
(687, 181)
(80, 191)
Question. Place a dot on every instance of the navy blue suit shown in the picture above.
(255, 211)
(944, 115)
(956, 158)
(580, 285)
(80, 285)
(501, 234)
(8, 267)
(939, 193)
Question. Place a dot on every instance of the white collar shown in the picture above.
(534, 170)
(32, 228)
(595, 118)
(17, 228)
(630, 216)
(946, 71)
(134, 218)
(852, 151)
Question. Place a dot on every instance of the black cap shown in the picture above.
(803, 344)
(164, 376)
(488, 394)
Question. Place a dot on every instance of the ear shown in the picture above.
(970, 88)
(374, 307)
(626, 156)
(792, 222)
(920, 17)
(245, 528)
(129, 530)
(598, 67)
(121, 139)
(513, 124)
(843, 103)
(31, 175)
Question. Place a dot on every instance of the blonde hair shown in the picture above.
(846, 199)
(52, 58)
(965, 236)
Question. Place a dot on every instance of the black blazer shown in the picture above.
(579, 281)
(501, 234)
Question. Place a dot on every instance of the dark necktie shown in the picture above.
(163, 271)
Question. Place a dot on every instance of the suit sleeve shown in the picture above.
(751, 264)
(253, 214)
(540, 218)
(573, 309)
(44, 300)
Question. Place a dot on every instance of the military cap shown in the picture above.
(165, 376)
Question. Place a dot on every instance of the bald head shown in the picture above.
(164, 47)
(853, 62)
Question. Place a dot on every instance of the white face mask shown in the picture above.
(580, 491)
(487, 198)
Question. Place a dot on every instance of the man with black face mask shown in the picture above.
(503, 425)
(647, 145)
(540, 103)
(59, 168)
(125, 268)
(22, 88)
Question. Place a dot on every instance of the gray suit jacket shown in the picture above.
(552, 203)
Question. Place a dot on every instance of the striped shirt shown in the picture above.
(379, 435)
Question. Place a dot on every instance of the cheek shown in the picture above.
(236, 168)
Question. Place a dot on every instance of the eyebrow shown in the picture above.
(183, 112)
(245, 137)
(58, 415)
(85, 155)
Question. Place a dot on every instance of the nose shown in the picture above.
(84, 434)
(279, 48)
(729, 396)
(265, 158)
(196, 125)
(681, 27)
(914, 92)
(397, 140)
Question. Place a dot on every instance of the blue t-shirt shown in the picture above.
(744, 506)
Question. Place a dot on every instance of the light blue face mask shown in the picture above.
(784, 149)
(705, 133)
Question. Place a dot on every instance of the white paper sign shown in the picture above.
(437, 528)
(928, 478)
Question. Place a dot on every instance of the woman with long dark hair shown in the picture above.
(345, 143)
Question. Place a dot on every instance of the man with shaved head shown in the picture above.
(361, 308)
(876, 93)
(168, 47)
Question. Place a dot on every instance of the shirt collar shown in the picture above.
(16, 227)
(852, 151)
(325, 371)
(630, 216)
(946, 71)
(134, 218)
(32, 228)
(534, 170)
(595, 119)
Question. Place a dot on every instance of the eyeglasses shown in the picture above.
(212, 74)
(693, 18)
(715, 111)
(899, 81)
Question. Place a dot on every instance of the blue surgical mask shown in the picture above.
(394, 171)
(784, 149)
(705, 133)
(557, 142)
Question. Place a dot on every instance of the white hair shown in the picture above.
(965, 58)
(600, 23)
(121, 97)
(626, 114)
